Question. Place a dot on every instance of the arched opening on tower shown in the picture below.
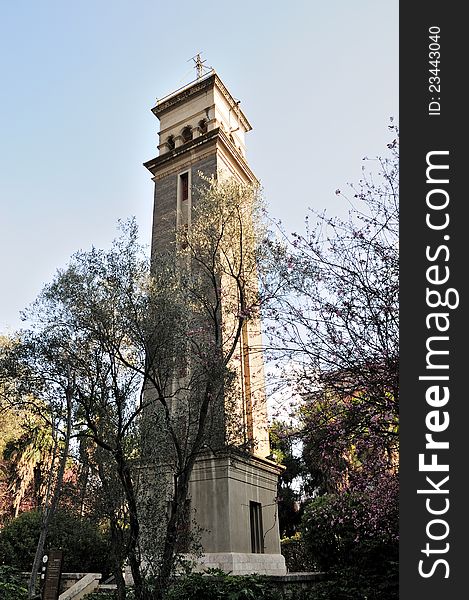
(170, 142)
(203, 126)
(187, 134)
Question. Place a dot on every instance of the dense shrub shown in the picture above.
(353, 584)
(12, 585)
(216, 585)
(361, 560)
(104, 596)
(337, 532)
(212, 585)
(297, 557)
(348, 584)
(86, 549)
(328, 530)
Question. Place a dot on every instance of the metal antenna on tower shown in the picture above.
(199, 65)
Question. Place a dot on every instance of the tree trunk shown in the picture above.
(169, 551)
(39, 552)
(50, 509)
(182, 489)
(116, 541)
(134, 525)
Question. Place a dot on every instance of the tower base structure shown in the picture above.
(238, 563)
(234, 504)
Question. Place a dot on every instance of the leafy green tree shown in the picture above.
(25, 455)
(212, 278)
(79, 322)
(32, 368)
(28, 460)
(120, 344)
(86, 546)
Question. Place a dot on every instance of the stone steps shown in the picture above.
(87, 584)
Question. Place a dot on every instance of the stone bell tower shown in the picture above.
(232, 493)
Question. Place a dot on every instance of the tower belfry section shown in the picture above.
(232, 491)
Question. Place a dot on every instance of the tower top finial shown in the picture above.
(199, 65)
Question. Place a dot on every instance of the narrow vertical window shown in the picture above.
(183, 206)
(184, 187)
(257, 533)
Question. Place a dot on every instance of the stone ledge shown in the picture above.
(240, 563)
(107, 587)
(299, 577)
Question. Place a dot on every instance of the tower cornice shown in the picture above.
(155, 163)
(195, 88)
(216, 135)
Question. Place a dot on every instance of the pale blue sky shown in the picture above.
(317, 80)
